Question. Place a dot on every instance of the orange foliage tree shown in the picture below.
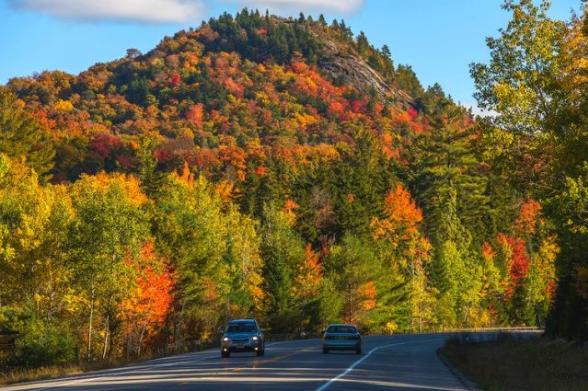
(310, 274)
(147, 307)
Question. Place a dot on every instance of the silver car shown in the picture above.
(341, 337)
(242, 335)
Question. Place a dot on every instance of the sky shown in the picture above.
(438, 38)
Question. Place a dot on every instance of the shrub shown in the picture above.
(43, 343)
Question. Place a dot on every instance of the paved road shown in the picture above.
(404, 363)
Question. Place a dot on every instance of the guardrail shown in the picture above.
(288, 337)
(478, 330)
(495, 335)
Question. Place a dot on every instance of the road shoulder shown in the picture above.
(463, 379)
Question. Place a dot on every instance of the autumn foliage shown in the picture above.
(230, 173)
(149, 304)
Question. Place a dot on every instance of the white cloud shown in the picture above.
(338, 6)
(152, 11)
(172, 11)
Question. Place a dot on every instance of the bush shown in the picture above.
(43, 343)
(518, 363)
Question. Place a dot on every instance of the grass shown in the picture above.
(19, 375)
(521, 365)
(23, 375)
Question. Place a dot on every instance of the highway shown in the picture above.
(404, 363)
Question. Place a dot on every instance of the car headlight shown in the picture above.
(255, 338)
(226, 339)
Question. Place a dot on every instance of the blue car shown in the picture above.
(242, 335)
(342, 337)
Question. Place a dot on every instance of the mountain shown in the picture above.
(275, 82)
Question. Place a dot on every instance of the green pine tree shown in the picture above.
(444, 166)
(283, 251)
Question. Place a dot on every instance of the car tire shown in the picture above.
(225, 354)
(325, 351)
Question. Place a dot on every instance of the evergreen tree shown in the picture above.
(386, 52)
(362, 44)
(151, 178)
(388, 69)
(283, 253)
(408, 81)
(359, 182)
(455, 272)
(445, 167)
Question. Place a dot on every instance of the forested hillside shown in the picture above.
(273, 168)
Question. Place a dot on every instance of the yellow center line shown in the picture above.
(283, 356)
(258, 362)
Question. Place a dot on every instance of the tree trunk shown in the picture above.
(107, 334)
(140, 344)
(90, 325)
(128, 353)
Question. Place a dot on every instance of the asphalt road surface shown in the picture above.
(404, 363)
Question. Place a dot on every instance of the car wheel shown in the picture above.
(225, 354)
(325, 350)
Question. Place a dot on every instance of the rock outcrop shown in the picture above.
(340, 63)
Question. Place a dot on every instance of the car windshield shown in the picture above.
(342, 329)
(241, 327)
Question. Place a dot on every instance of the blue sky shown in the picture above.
(439, 38)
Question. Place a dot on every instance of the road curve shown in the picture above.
(404, 363)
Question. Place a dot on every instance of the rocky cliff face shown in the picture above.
(341, 63)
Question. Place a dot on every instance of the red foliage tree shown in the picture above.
(336, 109)
(105, 143)
(412, 113)
(175, 79)
(520, 261)
(516, 262)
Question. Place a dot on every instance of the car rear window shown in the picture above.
(342, 329)
(241, 327)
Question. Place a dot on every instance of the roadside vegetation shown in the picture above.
(24, 374)
(521, 364)
(40, 373)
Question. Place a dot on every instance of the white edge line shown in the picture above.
(356, 363)
(206, 354)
